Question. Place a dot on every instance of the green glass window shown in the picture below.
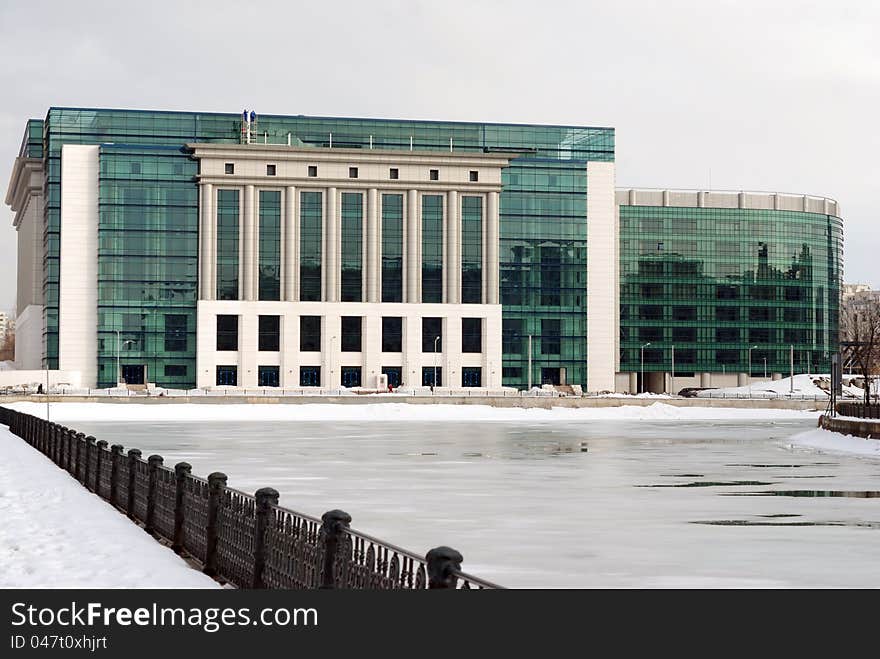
(352, 246)
(270, 245)
(471, 250)
(310, 246)
(432, 248)
(227, 244)
(392, 248)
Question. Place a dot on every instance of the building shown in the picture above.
(199, 249)
(7, 328)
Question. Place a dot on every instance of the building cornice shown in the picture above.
(22, 184)
(741, 199)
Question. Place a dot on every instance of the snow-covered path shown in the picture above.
(56, 534)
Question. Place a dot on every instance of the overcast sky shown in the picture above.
(769, 95)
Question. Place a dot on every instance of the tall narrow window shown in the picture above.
(432, 248)
(432, 334)
(551, 339)
(175, 332)
(269, 333)
(310, 333)
(392, 248)
(310, 247)
(352, 246)
(227, 244)
(472, 250)
(392, 334)
(227, 332)
(551, 276)
(351, 333)
(472, 335)
(270, 245)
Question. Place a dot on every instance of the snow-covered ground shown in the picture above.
(803, 385)
(826, 441)
(72, 412)
(56, 534)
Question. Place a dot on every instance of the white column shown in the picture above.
(413, 262)
(331, 248)
(247, 245)
(492, 265)
(290, 255)
(373, 255)
(211, 227)
(204, 243)
(452, 253)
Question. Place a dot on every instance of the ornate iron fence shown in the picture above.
(247, 541)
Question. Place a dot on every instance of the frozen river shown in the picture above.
(564, 504)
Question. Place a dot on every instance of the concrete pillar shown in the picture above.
(372, 243)
(412, 259)
(290, 250)
(331, 248)
(247, 245)
(705, 380)
(493, 232)
(633, 383)
(452, 254)
(742, 379)
(776, 376)
(206, 227)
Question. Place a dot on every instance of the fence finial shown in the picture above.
(442, 563)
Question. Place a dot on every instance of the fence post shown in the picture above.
(90, 446)
(154, 462)
(115, 457)
(333, 522)
(442, 562)
(134, 455)
(216, 483)
(181, 471)
(81, 448)
(100, 446)
(266, 498)
(57, 443)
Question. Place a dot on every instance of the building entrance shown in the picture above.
(134, 373)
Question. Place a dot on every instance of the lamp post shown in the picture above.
(434, 382)
(765, 368)
(749, 374)
(672, 377)
(330, 360)
(642, 363)
(530, 363)
(118, 367)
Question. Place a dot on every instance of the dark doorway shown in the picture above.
(550, 376)
(133, 373)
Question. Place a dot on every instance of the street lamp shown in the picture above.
(749, 374)
(330, 360)
(672, 378)
(118, 367)
(642, 363)
(434, 383)
(765, 368)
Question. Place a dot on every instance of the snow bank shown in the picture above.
(826, 441)
(57, 534)
(804, 385)
(72, 412)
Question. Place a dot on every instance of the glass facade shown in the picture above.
(543, 204)
(715, 282)
(227, 244)
(471, 250)
(432, 248)
(352, 246)
(310, 246)
(270, 245)
(392, 248)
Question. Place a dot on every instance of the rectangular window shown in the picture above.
(229, 168)
(351, 376)
(551, 338)
(267, 376)
(227, 332)
(551, 276)
(650, 334)
(432, 376)
(352, 246)
(269, 333)
(432, 328)
(351, 333)
(727, 313)
(270, 245)
(392, 248)
(471, 250)
(434, 174)
(395, 375)
(310, 376)
(227, 244)
(472, 335)
(473, 176)
(270, 170)
(727, 335)
(432, 248)
(310, 333)
(313, 170)
(471, 376)
(650, 312)
(227, 376)
(175, 370)
(393, 173)
(392, 334)
(175, 332)
(686, 334)
(310, 216)
(684, 313)
(512, 336)
(759, 314)
(352, 172)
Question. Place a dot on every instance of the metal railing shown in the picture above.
(247, 541)
(859, 410)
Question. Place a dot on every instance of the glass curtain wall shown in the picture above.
(471, 250)
(432, 248)
(392, 248)
(227, 244)
(310, 246)
(352, 246)
(270, 245)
